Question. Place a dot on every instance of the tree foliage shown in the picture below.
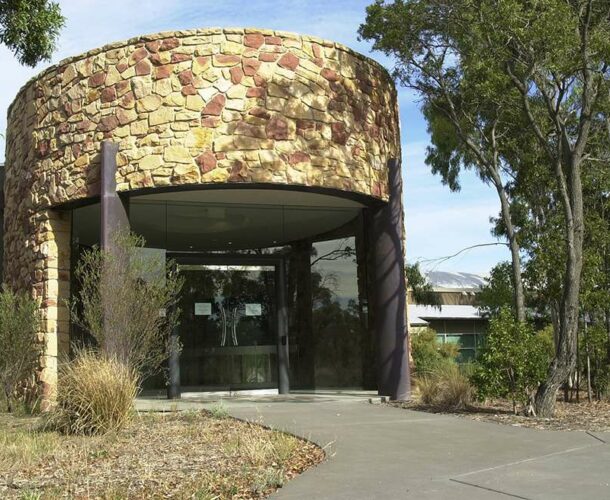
(513, 361)
(30, 28)
(422, 290)
(519, 92)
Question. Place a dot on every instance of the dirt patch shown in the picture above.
(583, 416)
(177, 455)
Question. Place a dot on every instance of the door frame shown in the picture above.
(279, 263)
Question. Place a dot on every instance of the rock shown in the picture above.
(215, 106)
(163, 115)
(177, 154)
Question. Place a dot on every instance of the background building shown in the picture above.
(457, 319)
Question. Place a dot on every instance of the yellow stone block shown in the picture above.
(199, 138)
(163, 115)
(177, 154)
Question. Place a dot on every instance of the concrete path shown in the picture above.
(377, 451)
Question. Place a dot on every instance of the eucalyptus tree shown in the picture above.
(467, 119)
(29, 28)
(534, 77)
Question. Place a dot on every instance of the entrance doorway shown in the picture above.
(232, 326)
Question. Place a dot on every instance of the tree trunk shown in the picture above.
(565, 356)
(518, 293)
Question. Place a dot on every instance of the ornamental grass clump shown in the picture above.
(96, 395)
(446, 388)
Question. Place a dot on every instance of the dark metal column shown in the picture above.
(113, 210)
(389, 292)
(283, 359)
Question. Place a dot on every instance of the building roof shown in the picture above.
(448, 281)
(421, 315)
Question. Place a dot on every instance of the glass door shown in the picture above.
(228, 327)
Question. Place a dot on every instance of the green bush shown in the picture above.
(513, 361)
(446, 387)
(19, 348)
(428, 353)
(95, 395)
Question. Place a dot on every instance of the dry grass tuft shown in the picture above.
(95, 395)
(446, 388)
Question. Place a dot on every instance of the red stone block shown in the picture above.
(138, 55)
(289, 61)
(163, 71)
(330, 75)
(259, 81)
(256, 92)
(108, 94)
(238, 172)
(298, 157)
(186, 77)
(97, 79)
(169, 43)
(153, 46)
(189, 90)
(251, 66)
(339, 133)
(254, 40)
(273, 40)
(206, 162)
(143, 68)
(215, 106)
(121, 67)
(236, 74)
(277, 129)
(260, 113)
(108, 123)
(176, 58)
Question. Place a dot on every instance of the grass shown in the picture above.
(176, 455)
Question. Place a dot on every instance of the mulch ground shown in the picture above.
(178, 455)
(569, 416)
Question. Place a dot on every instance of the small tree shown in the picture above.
(513, 362)
(429, 354)
(19, 348)
(127, 303)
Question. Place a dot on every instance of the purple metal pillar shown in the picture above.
(114, 210)
(389, 294)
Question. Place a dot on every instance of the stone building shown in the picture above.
(265, 163)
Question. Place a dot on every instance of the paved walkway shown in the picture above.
(377, 451)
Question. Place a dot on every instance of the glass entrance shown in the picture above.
(228, 327)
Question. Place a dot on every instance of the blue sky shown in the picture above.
(438, 222)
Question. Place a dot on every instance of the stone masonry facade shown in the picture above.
(186, 108)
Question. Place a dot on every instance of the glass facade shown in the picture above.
(228, 322)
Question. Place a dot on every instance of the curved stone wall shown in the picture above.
(187, 108)
(205, 106)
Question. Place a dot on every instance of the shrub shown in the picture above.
(428, 353)
(513, 361)
(95, 395)
(446, 388)
(127, 303)
(19, 348)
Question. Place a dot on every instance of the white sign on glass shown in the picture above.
(203, 308)
(254, 309)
